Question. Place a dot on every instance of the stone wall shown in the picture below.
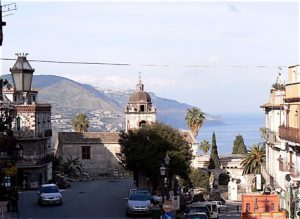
(103, 157)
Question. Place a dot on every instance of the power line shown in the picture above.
(146, 65)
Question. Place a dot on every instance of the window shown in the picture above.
(18, 123)
(142, 124)
(86, 152)
(142, 108)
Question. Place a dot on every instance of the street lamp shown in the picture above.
(22, 74)
(163, 171)
(167, 160)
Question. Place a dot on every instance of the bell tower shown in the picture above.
(139, 110)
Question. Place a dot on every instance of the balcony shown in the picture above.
(268, 135)
(289, 134)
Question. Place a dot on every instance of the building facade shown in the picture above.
(96, 151)
(282, 141)
(31, 127)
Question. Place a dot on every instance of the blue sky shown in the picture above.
(178, 34)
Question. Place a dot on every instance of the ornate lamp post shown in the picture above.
(22, 74)
(167, 160)
(163, 170)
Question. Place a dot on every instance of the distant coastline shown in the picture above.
(245, 124)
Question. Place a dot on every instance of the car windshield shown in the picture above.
(140, 196)
(199, 209)
(49, 189)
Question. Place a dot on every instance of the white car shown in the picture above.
(49, 194)
(221, 206)
(138, 202)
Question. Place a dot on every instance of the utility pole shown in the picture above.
(5, 8)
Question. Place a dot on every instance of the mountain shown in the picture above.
(105, 108)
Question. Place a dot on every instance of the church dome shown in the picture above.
(140, 96)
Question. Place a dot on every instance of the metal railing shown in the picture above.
(289, 134)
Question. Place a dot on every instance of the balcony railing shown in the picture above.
(289, 134)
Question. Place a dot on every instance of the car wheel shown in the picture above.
(127, 214)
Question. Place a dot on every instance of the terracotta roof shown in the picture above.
(88, 137)
(231, 157)
(188, 136)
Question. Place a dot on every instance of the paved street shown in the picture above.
(86, 200)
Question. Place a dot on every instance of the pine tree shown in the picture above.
(214, 157)
(239, 146)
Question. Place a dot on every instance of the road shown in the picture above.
(86, 200)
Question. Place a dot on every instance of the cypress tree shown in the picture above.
(214, 157)
(239, 146)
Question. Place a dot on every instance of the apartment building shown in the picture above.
(282, 140)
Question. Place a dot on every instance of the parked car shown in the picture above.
(198, 207)
(221, 206)
(138, 202)
(213, 208)
(196, 216)
(49, 194)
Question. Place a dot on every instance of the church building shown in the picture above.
(97, 151)
(139, 110)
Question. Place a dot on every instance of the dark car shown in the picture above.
(196, 216)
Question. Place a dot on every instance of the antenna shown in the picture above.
(9, 7)
(4, 9)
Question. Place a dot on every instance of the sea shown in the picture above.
(247, 125)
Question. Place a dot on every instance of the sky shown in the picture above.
(222, 57)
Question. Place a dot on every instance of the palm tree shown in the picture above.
(80, 122)
(194, 118)
(254, 159)
(205, 146)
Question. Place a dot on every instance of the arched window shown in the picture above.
(142, 124)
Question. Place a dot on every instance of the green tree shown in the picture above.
(143, 151)
(224, 179)
(199, 178)
(254, 159)
(205, 146)
(81, 123)
(194, 118)
(239, 146)
(214, 157)
(72, 166)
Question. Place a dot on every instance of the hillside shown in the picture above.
(105, 108)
